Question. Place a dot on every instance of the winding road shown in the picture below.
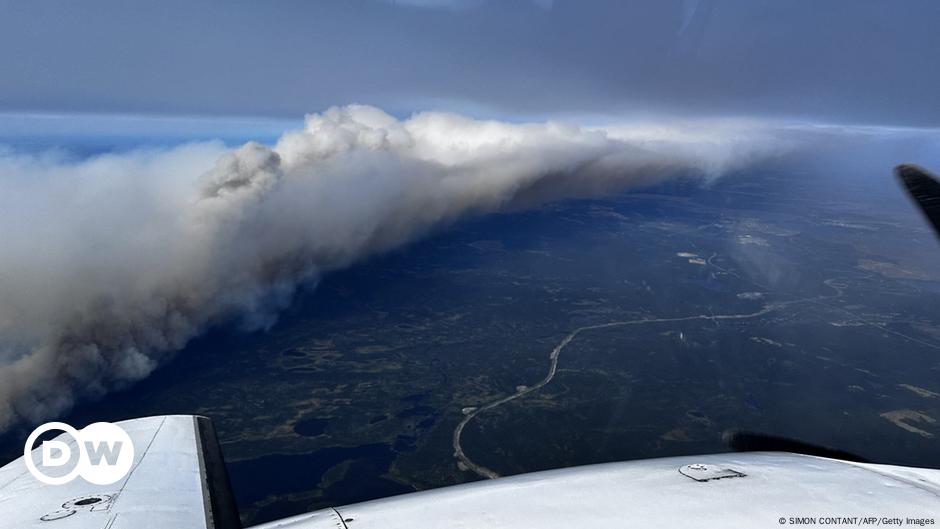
(471, 413)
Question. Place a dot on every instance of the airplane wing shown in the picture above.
(177, 480)
(746, 490)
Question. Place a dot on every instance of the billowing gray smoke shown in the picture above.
(111, 264)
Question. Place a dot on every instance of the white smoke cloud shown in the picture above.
(110, 265)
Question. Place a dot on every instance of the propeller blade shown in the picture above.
(924, 188)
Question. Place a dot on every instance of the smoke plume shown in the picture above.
(111, 264)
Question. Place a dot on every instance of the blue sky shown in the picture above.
(842, 61)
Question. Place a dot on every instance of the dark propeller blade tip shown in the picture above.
(906, 170)
(758, 442)
(924, 189)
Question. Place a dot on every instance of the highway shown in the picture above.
(471, 413)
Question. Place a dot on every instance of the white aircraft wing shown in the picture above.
(177, 480)
(746, 490)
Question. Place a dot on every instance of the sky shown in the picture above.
(836, 61)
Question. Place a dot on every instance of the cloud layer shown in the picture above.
(111, 264)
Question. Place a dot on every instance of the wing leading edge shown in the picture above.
(744, 490)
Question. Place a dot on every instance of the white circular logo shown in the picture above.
(104, 451)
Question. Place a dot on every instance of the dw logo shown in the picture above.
(104, 454)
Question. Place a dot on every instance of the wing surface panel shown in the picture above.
(173, 482)
(763, 487)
